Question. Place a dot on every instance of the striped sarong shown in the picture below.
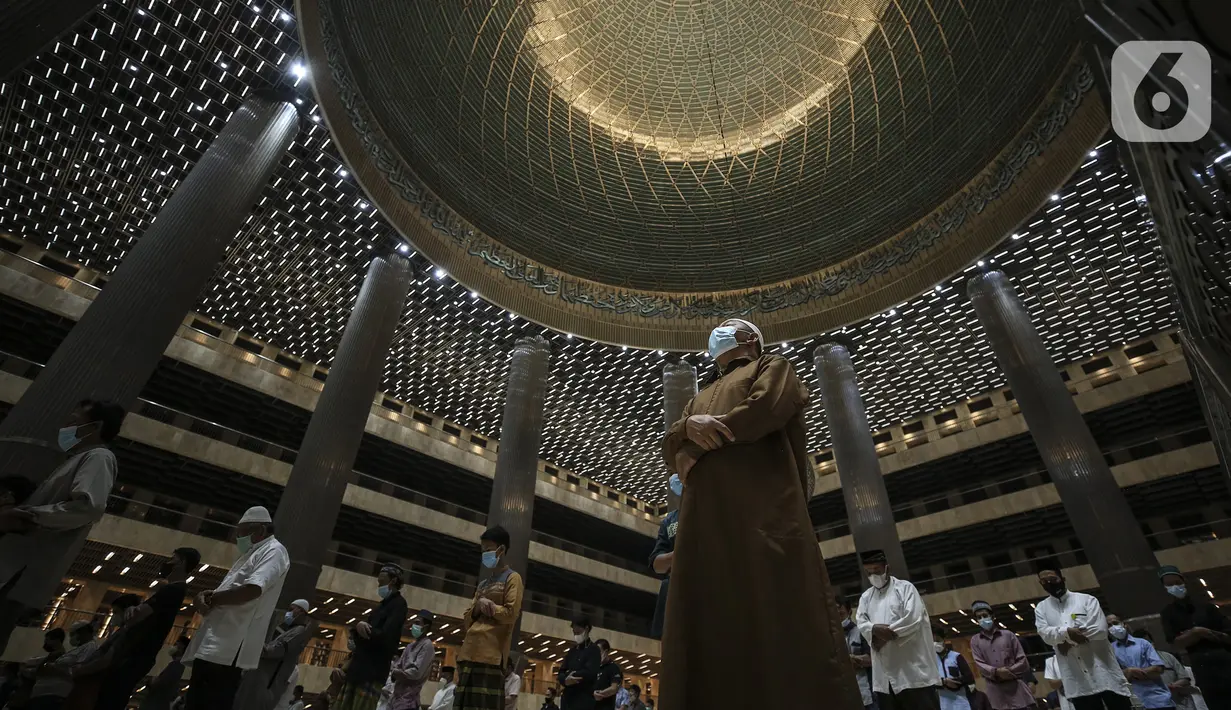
(362, 696)
(479, 687)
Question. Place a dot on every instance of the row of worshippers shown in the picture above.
(1098, 662)
(234, 661)
(104, 673)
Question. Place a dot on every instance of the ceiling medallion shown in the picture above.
(698, 80)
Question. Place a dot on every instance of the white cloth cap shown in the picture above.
(256, 514)
(302, 604)
(753, 328)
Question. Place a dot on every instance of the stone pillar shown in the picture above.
(1109, 532)
(679, 386)
(28, 27)
(863, 487)
(118, 342)
(310, 504)
(517, 463)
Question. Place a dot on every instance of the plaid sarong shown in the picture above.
(364, 696)
(479, 687)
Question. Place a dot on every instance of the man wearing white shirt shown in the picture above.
(444, 696)
(236, 615)
(1073, 623)
(895, 623)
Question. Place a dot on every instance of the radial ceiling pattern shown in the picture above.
(99, 132)
(648, 150)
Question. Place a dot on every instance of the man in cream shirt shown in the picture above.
(236, 615)
(1073, 623)
(893, 619)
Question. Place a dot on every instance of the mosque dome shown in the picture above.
(634, 171)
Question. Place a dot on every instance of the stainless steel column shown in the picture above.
(679, 386)
(517, 463)
(118, 342)
(1110, 534)
(863, 487)
(310, 504)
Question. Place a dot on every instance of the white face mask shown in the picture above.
(878, 580)
(1118, 632)
(581, 637)
(940, 647)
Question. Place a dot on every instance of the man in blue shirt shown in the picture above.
(1142, 665)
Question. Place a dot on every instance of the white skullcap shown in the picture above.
(256, 514)
(753, 328)
(302, 604)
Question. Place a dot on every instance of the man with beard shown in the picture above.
(745, 551)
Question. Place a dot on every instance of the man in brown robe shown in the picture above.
(749, 595)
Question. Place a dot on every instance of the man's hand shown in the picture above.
(951, 683)
(708, 432)
(399, 675)
(364, 629)
(683, 464)
(1134, 674)
(1003, 675)
(883, 632)
(204, 602)
(1063, 648)
(861, 661)
(572, 679)
(1077, 635)
(17, 520)
(486, 607)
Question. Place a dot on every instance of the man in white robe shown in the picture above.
(894, 620)
(44, 535)
(1073, 623)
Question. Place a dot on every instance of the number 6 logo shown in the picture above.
(1174, 105)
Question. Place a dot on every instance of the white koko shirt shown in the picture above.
(909, 661)
(236, 634)
(1089, 668)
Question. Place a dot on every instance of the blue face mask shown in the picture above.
(722, 340)
(288, 617)
(490, 558)
(67, 438)
(416, 631)
(1179, 591)
(383, 591)
(677, 486)
(987, 623)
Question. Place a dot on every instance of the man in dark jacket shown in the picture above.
(661, 558)
(580, 669)
(376, 642)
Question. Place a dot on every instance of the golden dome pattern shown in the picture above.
(634, 170)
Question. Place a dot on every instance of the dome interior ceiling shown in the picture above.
(739, 142)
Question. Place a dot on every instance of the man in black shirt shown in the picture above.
(130, 654)
(376, 642)
(580, 669)
(1194, 624)
(609, 679)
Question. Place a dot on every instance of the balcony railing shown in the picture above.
(419, 574)
(22, 367)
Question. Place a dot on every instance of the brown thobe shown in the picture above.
(749, 593)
